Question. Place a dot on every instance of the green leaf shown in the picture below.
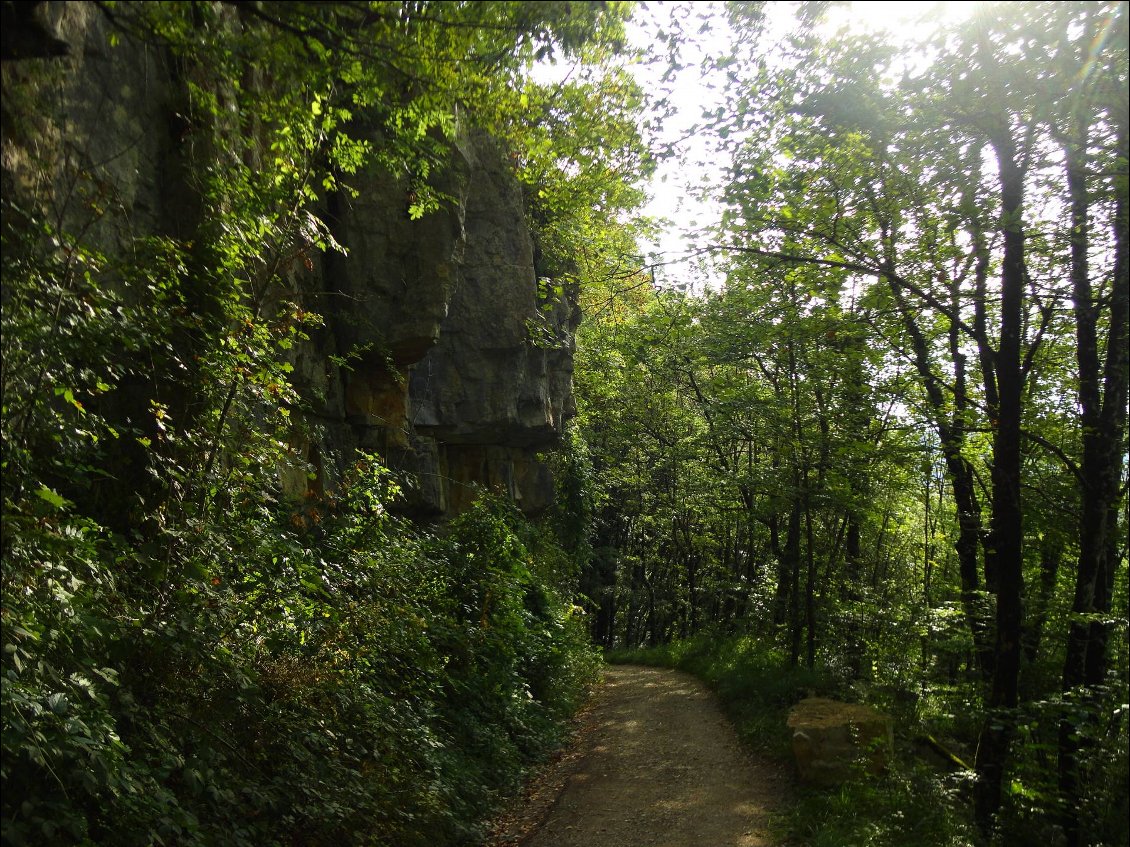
(57, 702)
(50, 496)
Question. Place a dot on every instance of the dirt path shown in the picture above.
(654, 764)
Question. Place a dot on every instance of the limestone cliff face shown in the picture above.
(455, 369)
(463, 372)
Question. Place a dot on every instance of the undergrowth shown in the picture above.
(364, 684)
(208, 637)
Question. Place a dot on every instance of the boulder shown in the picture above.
(830, 738)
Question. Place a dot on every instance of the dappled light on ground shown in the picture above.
(659, 766)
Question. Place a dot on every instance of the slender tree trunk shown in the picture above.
(631, 634)
(1051, 552)
(951, 434)
(692, 570)
(967, 545)
(853, 556)
(1004, 555)
(791, 564)
(781, 592)
(1102, 402)
(653, 635)
(810, 588)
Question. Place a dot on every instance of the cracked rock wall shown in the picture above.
(456, 371)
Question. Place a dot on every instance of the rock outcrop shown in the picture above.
(464, 373)
(831, 738)
(438, 351)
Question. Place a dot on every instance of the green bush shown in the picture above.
(365, 686)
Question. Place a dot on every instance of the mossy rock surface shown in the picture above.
(829, 738)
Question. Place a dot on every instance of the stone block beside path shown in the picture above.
(829, 737)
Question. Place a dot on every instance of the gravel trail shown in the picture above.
(654, 763)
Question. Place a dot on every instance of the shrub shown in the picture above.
(365, 685)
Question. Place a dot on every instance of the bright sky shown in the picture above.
(677, 186)
(912, 18)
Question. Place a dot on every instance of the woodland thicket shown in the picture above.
(190, 656)
(885, 450)
(890, 442)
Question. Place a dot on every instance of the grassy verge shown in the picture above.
(911, 806)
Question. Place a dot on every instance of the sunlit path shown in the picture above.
(661, 766)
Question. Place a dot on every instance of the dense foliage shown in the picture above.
(366, 685)
(886, 457)
(191, 656)
(892, 444)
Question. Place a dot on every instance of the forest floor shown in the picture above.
(653, 763)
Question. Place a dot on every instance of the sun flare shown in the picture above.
(913, 19)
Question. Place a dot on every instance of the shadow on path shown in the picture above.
(659, 766)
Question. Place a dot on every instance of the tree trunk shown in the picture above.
(1004, 555)
(1051, 553)
(1102, 402)
(810, 589)
(791, 566)
(951, 434)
